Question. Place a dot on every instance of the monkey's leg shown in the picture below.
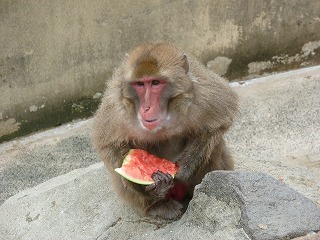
(167, 209)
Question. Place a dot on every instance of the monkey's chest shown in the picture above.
(169, 149)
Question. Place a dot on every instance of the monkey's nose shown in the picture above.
(146, 109)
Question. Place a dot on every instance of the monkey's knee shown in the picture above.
(168, 209)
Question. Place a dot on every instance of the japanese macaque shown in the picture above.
(160, 99)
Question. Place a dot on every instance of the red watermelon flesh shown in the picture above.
(139, 165)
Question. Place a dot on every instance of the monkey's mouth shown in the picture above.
(151, 123)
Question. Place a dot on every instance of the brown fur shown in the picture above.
(146, 66)
(202, 107)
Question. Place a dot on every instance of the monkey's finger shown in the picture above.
(169, 178)
(158, 172)
(165, 177)
(150, 187)
(159, 175)
(157, 179)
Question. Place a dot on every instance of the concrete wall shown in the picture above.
(56, 55)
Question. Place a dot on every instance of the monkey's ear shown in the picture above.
(185, 63)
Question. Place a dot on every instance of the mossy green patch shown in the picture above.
(53, 116)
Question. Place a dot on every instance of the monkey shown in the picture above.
(163, 100)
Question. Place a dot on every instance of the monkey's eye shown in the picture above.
(155, 82)
(140, 84)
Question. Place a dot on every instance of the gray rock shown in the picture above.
(77, 205)
(269, 208)
(226, 205)
(206, 218)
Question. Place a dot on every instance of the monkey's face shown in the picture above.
(151, 102)
(156, 84)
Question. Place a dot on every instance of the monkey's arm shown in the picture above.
(201, 154)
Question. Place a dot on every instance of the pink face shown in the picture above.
(150, 92)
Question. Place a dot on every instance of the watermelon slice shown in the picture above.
(139, 165)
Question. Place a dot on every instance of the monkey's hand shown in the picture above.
(161, 186)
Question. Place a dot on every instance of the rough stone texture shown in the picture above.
(219, 65)
(310, 236)
(56, 155)
(55, 56)
(269, 209)
(226, 205)
(78, 205)
(278, 122)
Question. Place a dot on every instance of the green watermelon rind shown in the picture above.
(127, 158)
(120, 170)
(135, 180)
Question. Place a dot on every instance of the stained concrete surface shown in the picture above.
(277, 132)
(52, 70)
